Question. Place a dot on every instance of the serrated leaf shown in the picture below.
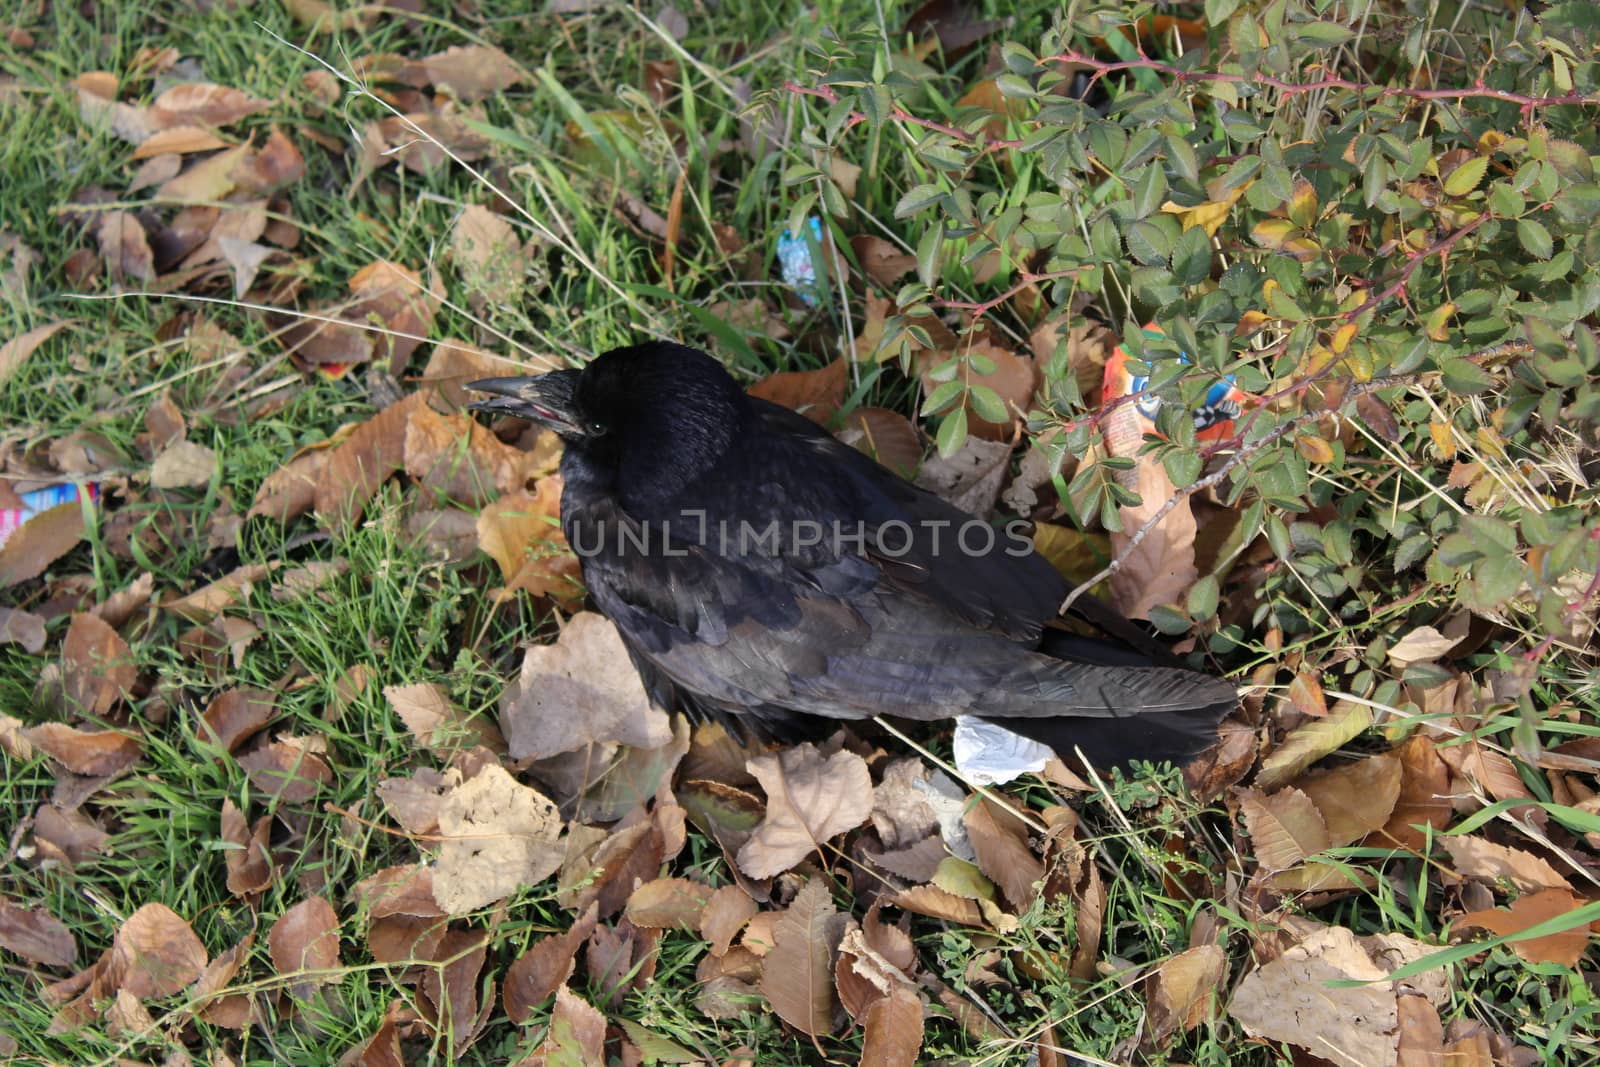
(1465, 178)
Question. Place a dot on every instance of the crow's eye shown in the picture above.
(595, 428)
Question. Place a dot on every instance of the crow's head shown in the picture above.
(647, 419)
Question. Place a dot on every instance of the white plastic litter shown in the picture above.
(992, 755)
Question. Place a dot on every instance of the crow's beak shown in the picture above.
(548, 399)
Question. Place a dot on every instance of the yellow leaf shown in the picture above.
(1437, 323)
(1209, 215)
(1444, 439)
(1342, 338)
(1314, 448)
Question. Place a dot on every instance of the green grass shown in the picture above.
(406, 616)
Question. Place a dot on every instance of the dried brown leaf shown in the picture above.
(15, 351)
(797, 975)
(809, 801)
(498, 835)
(1486, 861)
(437, 724)
(1311, 741)
(203, 104)
(98, 665)
(816, 394)
(886, 436)
(23, 628)
(1183, 991)
(286, 771)
(578, 692)
(96, 753)
(668, 902)
(1160, 569)
(729, 909)
(304, 943)
(36, 936)
(892, 1028)
(473, 72)
(545, 967)
(1564, 948)
(39, 542)
(1354, 798)
(1001, 842)
(1286, 827)
(155, 954)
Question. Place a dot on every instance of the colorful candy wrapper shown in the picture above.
(43, 500)
(1213, 419)
(797, 260)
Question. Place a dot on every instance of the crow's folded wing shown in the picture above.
(841, 640)
(838, 520)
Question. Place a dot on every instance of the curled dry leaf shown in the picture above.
(415, 801)
(1160, 569)
(458, 459)
(1421, 645)
(797, 975)
(1564, 947)
(809, 801)
(1183, 990)
(125, 246)
(816, 394)
(578, 692)
(449, 1003)
(521, 532)
(1311, 741)
(1423, 803)
(437, 724)
(249, 862)
(96, 753)
(1297, 997)
(498, 835)
(36, 936)
(1000, 840)
(208, 601)
(304, 945)
(39, 542)
(883, 261)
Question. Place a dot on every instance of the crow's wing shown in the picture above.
(876, 529)
(758, 633)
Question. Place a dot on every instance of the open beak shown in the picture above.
(547, 399)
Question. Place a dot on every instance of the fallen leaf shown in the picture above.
(304, 945)
(892, 1027)
(155, 954)
(36, 936)
(15, 351)
(1160, 569)
(1565, 948)
(498, 835)
(578, 692)
(971, 478)
(882, 260)
(577, 1033)
(436, 723)
(362, 462)
(1421, 1039)
(23, 628)
(125, 246)
(39, 542)
(202, 103)
(249, 862)
(183, 465)
(1486, 861)
(98, 665)
(521, 532)
(1355, 798)
(810, 800)
(96, 753)
(205, 603)
(816, 394)
(727, 912)
(1297, 997)
(1286, 827)
(1311, 741)
(1422, 645)
(1183, 991)
(665, 903)
(1001, 842)
(178, 140)
(473, 72)
(886, 436)
(286, 772)
(489, 257)
(1423, 802)
(797, 975)
(545, 967)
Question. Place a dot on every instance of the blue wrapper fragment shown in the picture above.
(797, 260)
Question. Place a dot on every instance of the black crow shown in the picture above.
(760, 572)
